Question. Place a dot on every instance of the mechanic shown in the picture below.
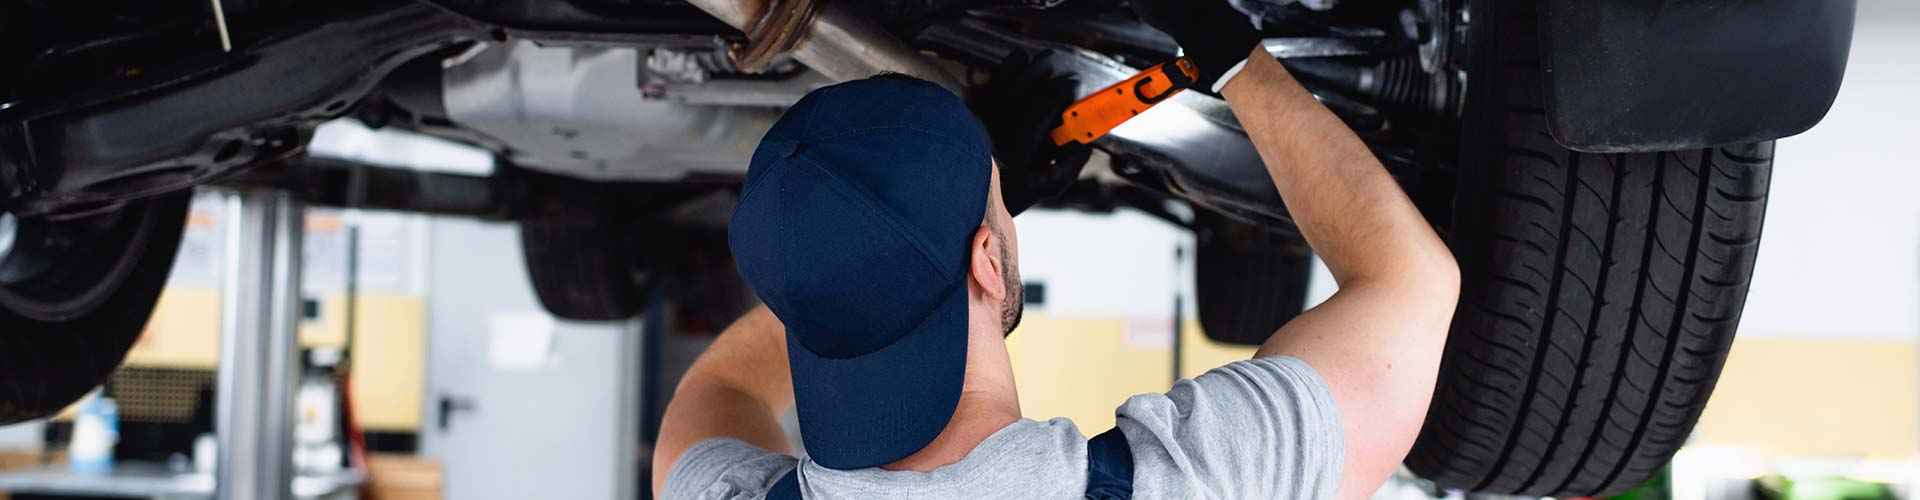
(873, 228)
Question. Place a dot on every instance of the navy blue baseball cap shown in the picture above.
(853, 227)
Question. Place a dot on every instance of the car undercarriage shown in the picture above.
(620, 114)
(526, 81)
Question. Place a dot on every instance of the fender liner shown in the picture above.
(1664, 75)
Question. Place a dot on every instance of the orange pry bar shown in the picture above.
(1095, 115)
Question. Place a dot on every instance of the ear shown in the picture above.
(983, 264)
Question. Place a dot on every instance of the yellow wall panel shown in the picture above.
(1199, 354)
(1817, 398)
(1083, 368)
(184, 331)
(390, 356)
(1781, 397)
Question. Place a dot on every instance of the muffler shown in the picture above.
(823, 35)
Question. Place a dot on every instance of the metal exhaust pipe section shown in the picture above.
(825, 36)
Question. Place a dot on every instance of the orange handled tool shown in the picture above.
(1095, 115)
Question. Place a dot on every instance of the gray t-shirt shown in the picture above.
(1257, 429)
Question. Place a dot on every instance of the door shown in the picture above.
(520, 405)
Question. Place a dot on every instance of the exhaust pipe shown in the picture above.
(823, 35)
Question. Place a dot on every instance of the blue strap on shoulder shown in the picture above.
(1109, 471)
(1109, 467)
(788, 487)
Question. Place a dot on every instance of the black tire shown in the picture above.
(67, 324)
(581, 270)
(1247, 281)
(1599, 292)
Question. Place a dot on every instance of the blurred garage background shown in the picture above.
(464, 389)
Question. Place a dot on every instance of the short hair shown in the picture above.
(900, 76)
(993, 205)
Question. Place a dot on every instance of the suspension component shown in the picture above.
(1398, 82)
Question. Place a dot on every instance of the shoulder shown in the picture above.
(1284, 380)
(726, 469)
(1270, 417)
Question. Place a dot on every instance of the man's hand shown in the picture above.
(1211, 33)
(1020, 107)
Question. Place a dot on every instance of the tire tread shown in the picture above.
(1600, 293)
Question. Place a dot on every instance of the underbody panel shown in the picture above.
(190, 122)
(582, 111)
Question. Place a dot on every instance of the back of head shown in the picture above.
(854, 227)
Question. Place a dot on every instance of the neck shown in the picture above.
(988, 403)
(973, 421)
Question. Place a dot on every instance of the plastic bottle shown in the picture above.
(95, 431)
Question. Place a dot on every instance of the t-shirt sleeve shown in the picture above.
(725, 469)
(1260, 428)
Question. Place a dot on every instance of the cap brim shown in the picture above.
(880, 407)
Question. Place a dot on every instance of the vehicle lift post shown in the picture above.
(260, 313)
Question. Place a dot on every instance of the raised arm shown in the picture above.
(1377, 341)
(738, 388)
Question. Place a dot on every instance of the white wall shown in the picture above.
(1840, 256)
(1118, 265)
(21, 436)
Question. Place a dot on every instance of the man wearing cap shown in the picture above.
(872, 227)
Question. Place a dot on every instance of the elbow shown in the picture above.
(1446, 278)
(1425, 272)
(1428, 287)
(1434, 278)
(1442, 289)
(1439, 273)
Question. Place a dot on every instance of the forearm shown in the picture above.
(738, 388)
(1377, 341)
(750, 356)
(1353, 214)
